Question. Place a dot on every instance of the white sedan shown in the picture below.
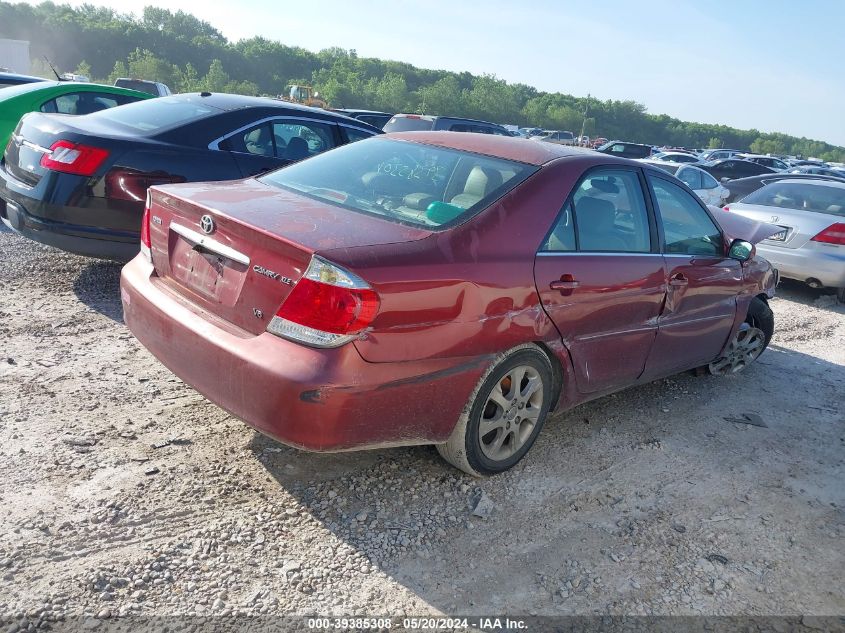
(675, 157)
(710, 190)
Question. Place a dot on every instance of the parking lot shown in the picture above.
(127, 492)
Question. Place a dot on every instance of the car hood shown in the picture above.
(737, 227)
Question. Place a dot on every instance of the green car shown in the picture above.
(62, 97)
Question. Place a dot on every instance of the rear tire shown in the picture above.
(504, 414)
(749, 342)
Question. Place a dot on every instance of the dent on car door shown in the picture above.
(702, 283)
(600, 281)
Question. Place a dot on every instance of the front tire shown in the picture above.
(749, 342)
(504, 414)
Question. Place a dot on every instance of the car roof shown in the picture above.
(356, 111)
(32, 78)
(229, 102)
(508, 147)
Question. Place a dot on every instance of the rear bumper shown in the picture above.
(314, 399)
(815, 261)
(67, 237)
(82, 229)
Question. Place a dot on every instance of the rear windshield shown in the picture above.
(409, 183)
(136, 84)
(408, 124)
(152, 116)
(800, 196)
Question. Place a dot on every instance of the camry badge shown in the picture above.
(272, 275)
(207, 224)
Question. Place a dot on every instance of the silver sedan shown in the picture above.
(811, 246)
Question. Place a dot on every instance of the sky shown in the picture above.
(772, 65)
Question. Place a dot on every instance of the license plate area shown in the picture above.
(779, 236)
(211, 275)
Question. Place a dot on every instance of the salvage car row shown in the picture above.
(409, 288)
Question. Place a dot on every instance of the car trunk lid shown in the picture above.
(236, 249)
(797, 227)
(36, 133)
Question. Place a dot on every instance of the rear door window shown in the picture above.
(610, 213)
(296, 140)
(289, 140)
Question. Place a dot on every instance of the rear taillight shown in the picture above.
(74, 158)
(726, 208)
(146, 243)
(834, 234)
(131, 184)
(328, 307)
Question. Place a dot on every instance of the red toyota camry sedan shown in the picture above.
(441, 288)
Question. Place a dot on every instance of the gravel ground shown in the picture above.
(125, 492)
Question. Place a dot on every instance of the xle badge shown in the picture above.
(258, 313)
(269, 273)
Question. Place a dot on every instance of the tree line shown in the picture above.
(190, 55)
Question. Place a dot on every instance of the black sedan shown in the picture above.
(14, 79)
(741, 187)
(80, 183)
(734, 168)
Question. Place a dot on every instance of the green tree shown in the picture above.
(143, 64)
(118, 71)
(442, 97)
(84, 68)
(216, 78)
(187, 79)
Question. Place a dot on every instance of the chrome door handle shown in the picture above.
(566, 282)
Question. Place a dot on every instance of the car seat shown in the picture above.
(481, 182)
(596, 225)
(258, 142)
(297, 149)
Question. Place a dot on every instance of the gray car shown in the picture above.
(811, 247)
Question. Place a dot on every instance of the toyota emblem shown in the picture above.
(207, 224)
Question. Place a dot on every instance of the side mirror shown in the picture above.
(741, 250)
(724, 179)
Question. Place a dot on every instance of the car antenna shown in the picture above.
(53, 69)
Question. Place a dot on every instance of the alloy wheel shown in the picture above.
(745, 347)
(511, 412)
